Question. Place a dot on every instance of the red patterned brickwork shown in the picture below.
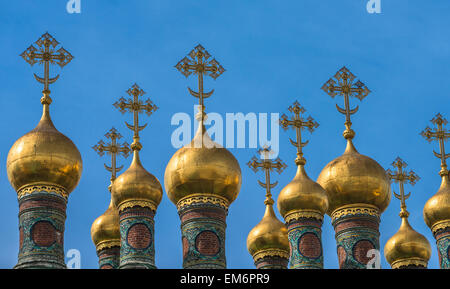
(207, 243)
(48, 203)
(342, 255)
(309, 245)
(43, 234)
(274, 262)
(352, 223)
(360, 250)
(185, 246)
(217, 214)
(139, 236)
(106, 266)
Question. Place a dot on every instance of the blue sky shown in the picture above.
(274, 54)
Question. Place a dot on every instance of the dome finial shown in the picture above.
(302, 196)
(44, 52)
(128, 189)
(441, 134)
(346, 87)
(267, 165)
(407, 248)
(299, 124)
(268, 241)
(402, 177)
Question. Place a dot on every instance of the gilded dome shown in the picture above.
(302, 193)
(105, 230)
(437, 208)
(354, 178)
(407, 247)
(136, 184)
(270, 233)
(202, 167)
(44, 156)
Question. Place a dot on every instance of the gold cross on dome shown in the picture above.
(267, 165)
(402, 177)
(114, 149)
(44, 51)
(441, 134)
(136, 106)
(298, 123)
(344, 84)
(199, 61)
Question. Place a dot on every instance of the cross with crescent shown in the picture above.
(136, 106)
(114, 149)
(441, 134)
(199, 61)
(343, 84)
(298, 123)
(44, 52)
(267, 165)
(402, 177)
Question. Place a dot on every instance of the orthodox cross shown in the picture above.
(136, 106)
(267, 165)
(441, 135)
(199, 61)
(114, 149)
(346, 87)
(44, 52)
(402, 177)
(298, 123)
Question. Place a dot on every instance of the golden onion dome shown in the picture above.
(270, 233)
(437, 208)
(302, 193)
(105, 230)
(202, 167)
(136, 185)
(44, 156)
(354, 178)
(407, 247)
